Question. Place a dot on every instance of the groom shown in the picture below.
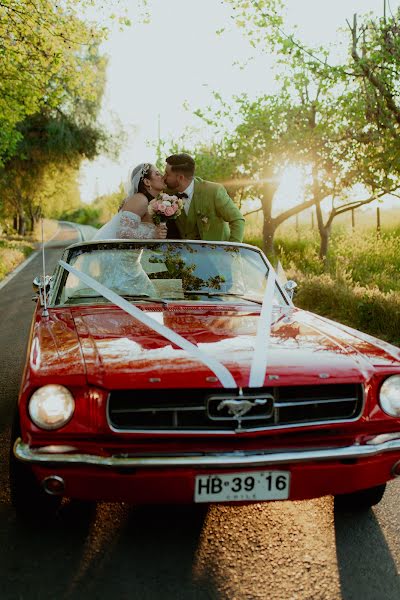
(208, 213)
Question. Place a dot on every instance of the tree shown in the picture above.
(44, 44)
(43, 47)
(56, 138)
(346, 137)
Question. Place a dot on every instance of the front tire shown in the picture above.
(361, 500)
(31, 503)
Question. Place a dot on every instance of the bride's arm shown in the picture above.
(130, 226)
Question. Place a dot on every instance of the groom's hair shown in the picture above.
(181, 163)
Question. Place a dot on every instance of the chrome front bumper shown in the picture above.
(376, 446)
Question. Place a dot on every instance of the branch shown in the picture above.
(373, 79)
(302, 48)
(252, 212)
(355, 204)
(296, 209)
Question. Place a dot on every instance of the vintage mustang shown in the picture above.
(180, 372)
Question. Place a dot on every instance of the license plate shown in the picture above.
(254, 485)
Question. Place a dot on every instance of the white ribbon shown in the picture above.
(222, 373)
(259, 363)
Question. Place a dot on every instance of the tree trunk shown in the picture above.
(15, 222)
(21, 225)
(324, 233)
(323, 249)
(31, 224)
(268, 237)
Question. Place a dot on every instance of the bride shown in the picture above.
(133, 220)
(121, 270)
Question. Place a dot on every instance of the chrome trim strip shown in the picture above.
(24, 453)
(320, 402)
(65, 255)
(209, 432)
(224, 432)
(157, 410)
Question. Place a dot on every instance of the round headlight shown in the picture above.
(51, 406)
(389, 396)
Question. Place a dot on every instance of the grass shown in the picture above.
(12, 253)
(360, 283)
(14, 249)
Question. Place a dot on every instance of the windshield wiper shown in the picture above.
(211, 294)
(79, 296)
(144, 297)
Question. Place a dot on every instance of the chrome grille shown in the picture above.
(178, 410)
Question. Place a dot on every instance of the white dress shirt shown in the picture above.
(189, 191)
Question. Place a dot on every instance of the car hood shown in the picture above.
(120, 352)
(55, 354)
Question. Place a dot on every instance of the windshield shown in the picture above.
(168, 271)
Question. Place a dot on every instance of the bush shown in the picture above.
(12, 253)
(359, 285)
(86, 215)
(366, 309)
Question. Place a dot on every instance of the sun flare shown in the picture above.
(291, 189)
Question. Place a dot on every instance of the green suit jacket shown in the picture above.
(213, 215)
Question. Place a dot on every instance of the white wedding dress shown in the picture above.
(120, 269)
(126, 225)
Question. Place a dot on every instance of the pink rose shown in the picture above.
(169, 211)
(161, 208)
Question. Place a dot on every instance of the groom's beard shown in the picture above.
(170, 189)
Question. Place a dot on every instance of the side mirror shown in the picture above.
(290, 287)
(42, 287)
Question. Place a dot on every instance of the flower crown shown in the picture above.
(143, 171)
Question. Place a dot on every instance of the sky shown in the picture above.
(159, 73)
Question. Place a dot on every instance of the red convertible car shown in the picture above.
(180, 372)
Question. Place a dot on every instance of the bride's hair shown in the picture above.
(136, 183)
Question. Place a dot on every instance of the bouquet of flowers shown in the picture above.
(165, 207)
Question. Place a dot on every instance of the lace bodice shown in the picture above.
(130, 226)
(126, 225)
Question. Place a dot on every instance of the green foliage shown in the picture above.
(358, 285)
(84, 215)
(108, 204)
(339, 122)
(99, 212)
(364, 308)
(56, 44)
(360, 258)
(12, 253)
(59, 129)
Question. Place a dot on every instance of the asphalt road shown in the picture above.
(277, 551)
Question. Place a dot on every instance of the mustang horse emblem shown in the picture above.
(238, 408)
